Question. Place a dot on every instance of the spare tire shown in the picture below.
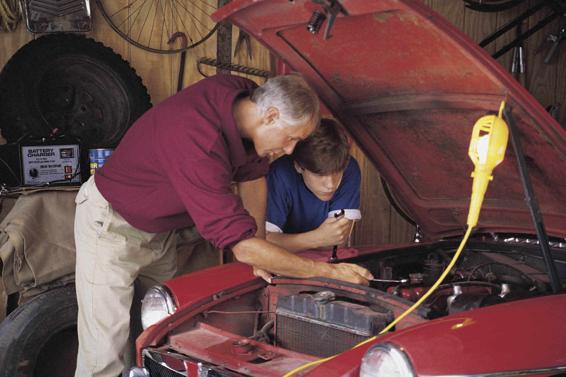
(73, 84)
(39, 338)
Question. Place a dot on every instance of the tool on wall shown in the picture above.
(232, 67)
(491, 5)
(555, 39)
(147, 24)
(223, 42)
(243, 39)
(183, 58)
(10, 15)
(518, 63)
(554, 110)
(557, 8)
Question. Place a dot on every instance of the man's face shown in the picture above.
(278, 138)
(322, 186)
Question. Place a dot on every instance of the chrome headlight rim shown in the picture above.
(396, 353)
(168, 302)
(164, 291)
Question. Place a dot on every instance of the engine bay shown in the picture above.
(482, 277)
(300, 320)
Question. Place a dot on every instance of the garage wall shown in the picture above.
(547, 82)
(381, 224)
(158, 71)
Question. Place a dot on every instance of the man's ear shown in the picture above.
(298, 168)
(271, 116)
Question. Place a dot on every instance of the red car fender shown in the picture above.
(528, 334)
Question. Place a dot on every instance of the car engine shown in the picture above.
(326, 322)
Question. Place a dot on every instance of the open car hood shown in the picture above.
(409, 87)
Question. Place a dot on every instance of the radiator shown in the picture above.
(322, 327)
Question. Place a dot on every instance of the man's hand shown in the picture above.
(265, 256)
(333, 231)
(351, 273)
(262, 274)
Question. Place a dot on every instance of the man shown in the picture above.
(174, 168)
(314, 196)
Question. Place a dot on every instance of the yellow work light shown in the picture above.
(487, 149)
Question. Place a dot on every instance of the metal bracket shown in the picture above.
(331, 10)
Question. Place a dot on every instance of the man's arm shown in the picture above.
(264, 255)
(254, 199)
(331, 232)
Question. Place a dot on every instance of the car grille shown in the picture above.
(163, 364)
(158, 370)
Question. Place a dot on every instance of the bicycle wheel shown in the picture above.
(151, 24)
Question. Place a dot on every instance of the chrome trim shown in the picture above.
(171, 307)
(205, 370)
(150, 355)
(137, 372)
(394, 351)
(524, 372)
(533, 241)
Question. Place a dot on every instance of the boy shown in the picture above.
(308, 190)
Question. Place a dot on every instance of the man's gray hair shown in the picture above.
(291, 95)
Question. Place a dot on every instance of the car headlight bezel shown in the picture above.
(390, 356)
(157, 304)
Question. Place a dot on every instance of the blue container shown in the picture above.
(98, 157)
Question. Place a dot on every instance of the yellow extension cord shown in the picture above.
(405, 313)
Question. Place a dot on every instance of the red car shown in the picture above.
(409, 87)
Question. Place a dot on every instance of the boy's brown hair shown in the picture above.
(325, 151)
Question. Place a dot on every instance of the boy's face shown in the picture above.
(322, 186)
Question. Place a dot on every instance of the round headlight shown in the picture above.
(156, 305)
(386, 360)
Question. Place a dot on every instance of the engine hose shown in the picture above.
(9, 15)
(429, 292)
(404, 314)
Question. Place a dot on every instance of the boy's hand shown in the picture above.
(333, 231)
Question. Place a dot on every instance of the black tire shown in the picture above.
(71, 83)
(39, 338)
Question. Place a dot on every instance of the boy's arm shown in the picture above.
(331, 232)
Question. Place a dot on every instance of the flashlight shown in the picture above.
(487, 150)
(334, 256)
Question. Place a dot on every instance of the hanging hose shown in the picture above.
(10, 15)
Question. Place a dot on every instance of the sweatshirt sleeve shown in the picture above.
(202, 179)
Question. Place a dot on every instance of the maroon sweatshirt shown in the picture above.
(175, 165)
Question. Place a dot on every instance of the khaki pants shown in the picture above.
(111, 254)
